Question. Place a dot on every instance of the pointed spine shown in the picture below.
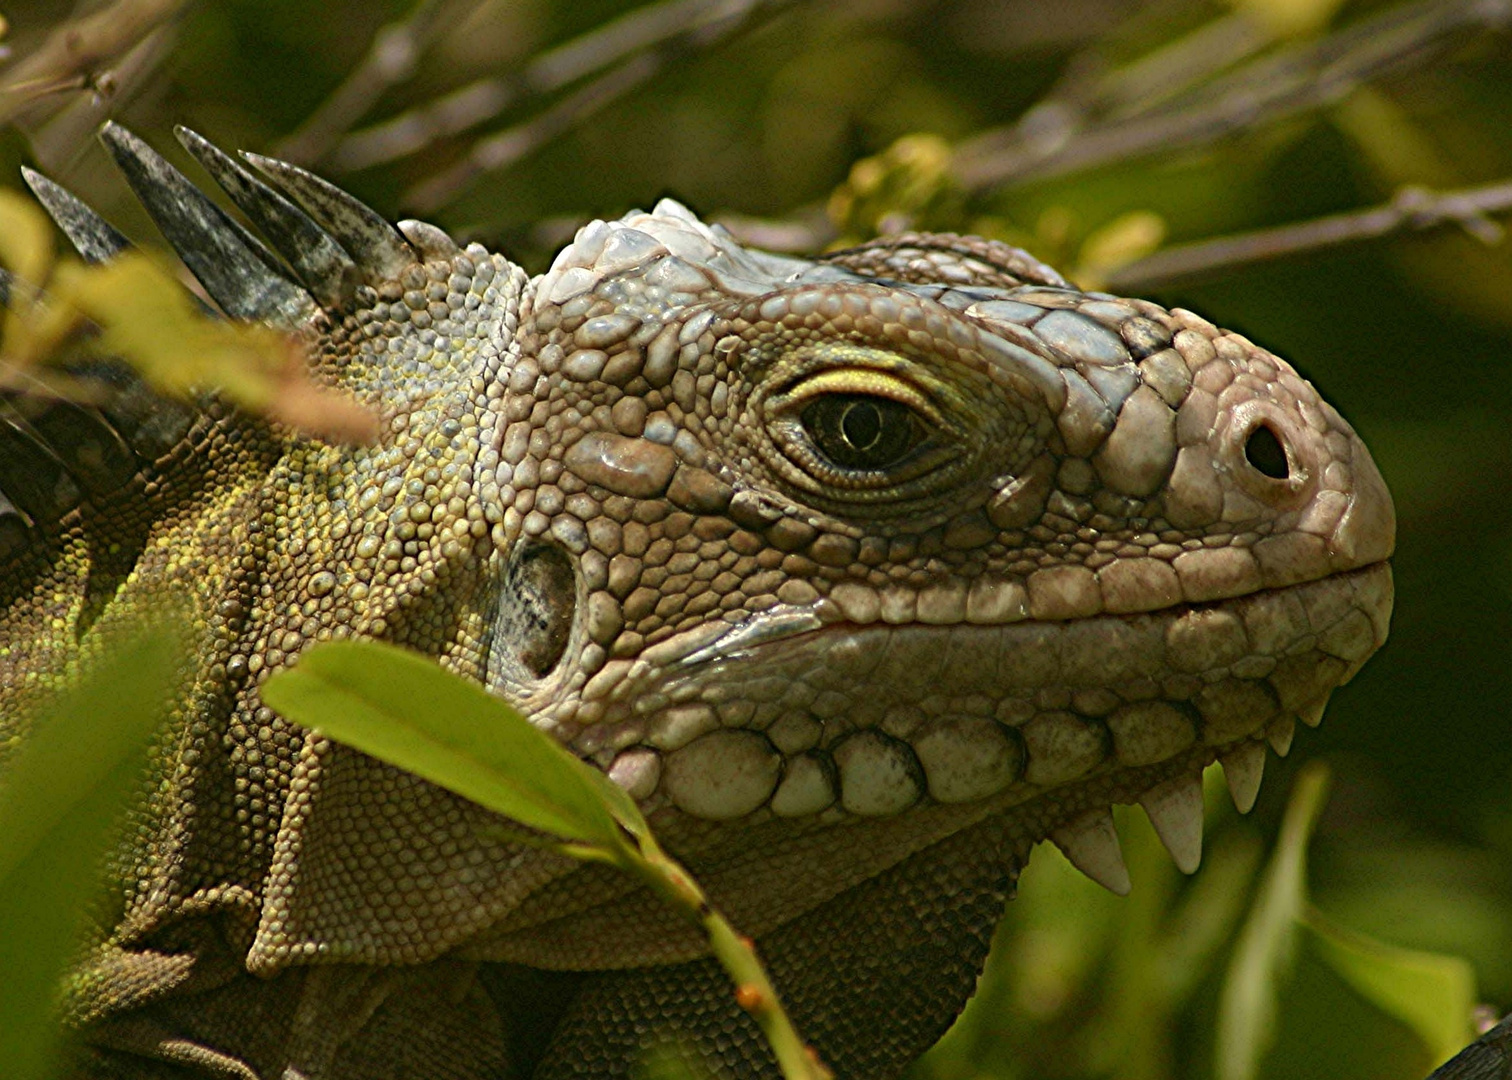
(322, 265)
(94, 238)
(380, 250)
(232, 265)
(430, 241)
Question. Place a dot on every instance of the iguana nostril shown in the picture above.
(1265, 453)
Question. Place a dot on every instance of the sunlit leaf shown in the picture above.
(1432, 993)
(58, 800)
(405, 709)
(1263, 955)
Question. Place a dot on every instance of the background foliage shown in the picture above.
(1091, 131)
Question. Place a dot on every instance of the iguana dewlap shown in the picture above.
(862, 574)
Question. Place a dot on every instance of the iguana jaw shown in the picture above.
(867, 721)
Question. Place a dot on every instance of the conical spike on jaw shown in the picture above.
(379, 249)
(324, 267)
(94, 238)
(232, 264)
(1175, 809)
(1280, 734)
(1243, 769)
(1090, 842)
(1312, 715)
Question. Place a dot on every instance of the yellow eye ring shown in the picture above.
(863, 382)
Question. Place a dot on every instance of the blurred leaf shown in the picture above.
(669, 1061)
(1432, 993)
(1291, 18)
(1126, 238)
(26, 247)
(150, 320)
(59, 799)
(404, 708)
(907, 186)
(1265, 950)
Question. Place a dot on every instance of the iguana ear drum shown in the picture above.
(534, 619)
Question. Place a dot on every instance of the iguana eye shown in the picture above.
(861, 431)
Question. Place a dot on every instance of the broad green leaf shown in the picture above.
(405, 709)
(58, 800)
(1432, 993)
(1263, 955)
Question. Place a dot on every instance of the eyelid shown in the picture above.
(865, 381)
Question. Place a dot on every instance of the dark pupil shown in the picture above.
(1265, 452)
(859, 432)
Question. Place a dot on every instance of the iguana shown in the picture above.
(863, 574)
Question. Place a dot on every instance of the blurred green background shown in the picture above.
(1091, 131)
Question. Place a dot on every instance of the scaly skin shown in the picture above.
(863, 575)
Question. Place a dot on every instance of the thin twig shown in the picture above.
(496, 152)
(499, 151)
(57, 140)
(391, 59)
(1412, 209)
(1278, 85)
(77, 51)
(668, 27)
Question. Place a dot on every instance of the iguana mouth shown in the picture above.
(865, 721)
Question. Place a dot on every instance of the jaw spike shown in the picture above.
(94, 238)
(1090, 842)
(1175, 809)
(1279, 734)
(379, 249)
(1243, 768)
(324, 268)
(232, 265)
(1312, 715)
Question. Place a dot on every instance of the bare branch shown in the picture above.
(664, 28)
(496, 152)
(499, 151)
(1048, 143)
(1412, 209)
(76, 52)
(56, 140)
(803, 232)
(391, 59)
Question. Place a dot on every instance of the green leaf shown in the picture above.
(405, 709)
(1432, 993)
(59, 799)
(1263, 955)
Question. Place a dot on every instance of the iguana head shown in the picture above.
(824, 561)
(919, 529)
